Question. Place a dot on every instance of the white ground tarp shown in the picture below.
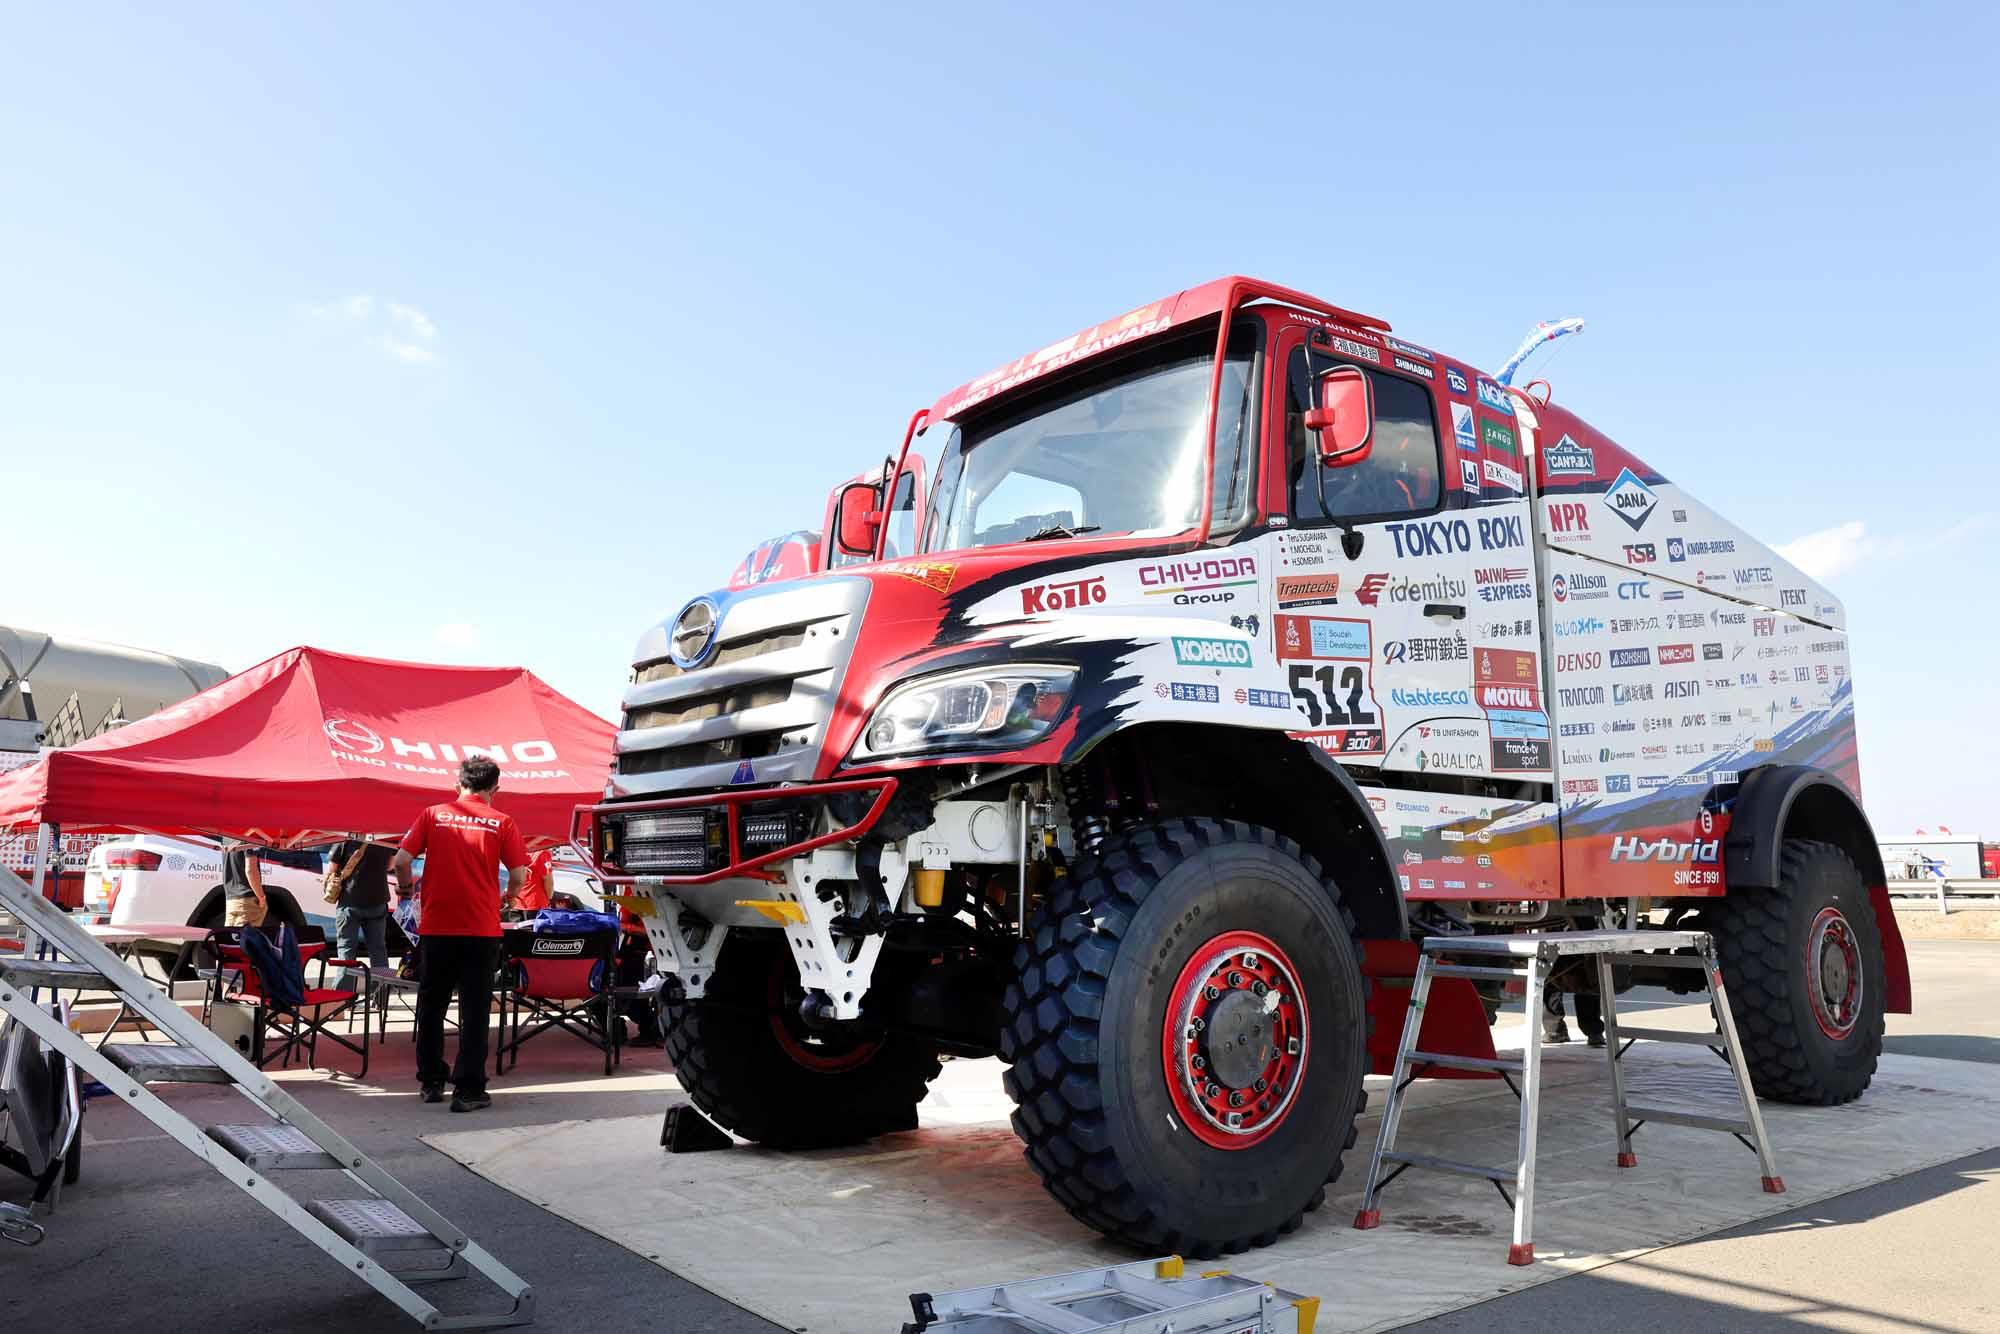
(834, 1241)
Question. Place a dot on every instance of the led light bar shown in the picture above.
(683, 824)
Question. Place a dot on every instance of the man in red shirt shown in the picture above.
(534, 896)
(464, 843)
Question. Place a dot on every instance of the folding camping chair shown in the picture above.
(560, 979)
(297, 1028)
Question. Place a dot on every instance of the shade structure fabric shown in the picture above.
(313, 744)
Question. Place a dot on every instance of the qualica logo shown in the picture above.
(359, 739)
(1059, 596)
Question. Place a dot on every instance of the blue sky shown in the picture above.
(493, 335)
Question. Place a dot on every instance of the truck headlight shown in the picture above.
(984, 708)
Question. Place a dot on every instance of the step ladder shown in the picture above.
(389, 1239)
(1144, 1297)
(1530, 959)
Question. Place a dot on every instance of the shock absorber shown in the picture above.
(1087, 825)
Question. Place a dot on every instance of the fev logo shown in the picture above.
(1462, 429)
(1494, 397)
(1211, 652)
(1631, 499)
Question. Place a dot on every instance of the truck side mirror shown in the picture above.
(1343, 424)
(858, 519)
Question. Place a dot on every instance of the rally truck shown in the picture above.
(1242, 644)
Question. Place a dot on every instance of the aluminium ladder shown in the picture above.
(389, 1238)
(1530, 958)
(1144, 1297)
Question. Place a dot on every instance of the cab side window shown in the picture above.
(1400, 475)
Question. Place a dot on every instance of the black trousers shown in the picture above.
(462, 966)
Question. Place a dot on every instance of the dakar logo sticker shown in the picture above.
(930, 574)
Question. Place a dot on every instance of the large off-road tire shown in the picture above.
(1165, 978)
(1803, 965)
(753, 1068)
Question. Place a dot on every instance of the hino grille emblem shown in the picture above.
(693, 634)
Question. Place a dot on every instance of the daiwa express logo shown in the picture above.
(1211, 652)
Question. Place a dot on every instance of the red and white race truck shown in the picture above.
(1242, 643)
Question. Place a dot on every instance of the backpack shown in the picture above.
(278, 966)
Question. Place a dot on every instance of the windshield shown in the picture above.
(1120, 456)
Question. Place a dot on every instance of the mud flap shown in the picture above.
(1454, 1019)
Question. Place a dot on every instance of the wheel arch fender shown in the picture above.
(1782, 801)
(1268, 778)
(211, 902)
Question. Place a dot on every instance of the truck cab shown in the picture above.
(1238, 643)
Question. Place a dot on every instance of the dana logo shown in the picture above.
(1674, 654)
(1462, 429)
(1625, 848)
(1631, 499)
(1211, 652)
(1455, 379)
(1430, 699)
(361, 741)
(1566, 458)
(1631, 657)
(1038, 598)
(1568, 516)
(1493, 396)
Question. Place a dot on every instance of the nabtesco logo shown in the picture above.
(1430, 699)
(1211, 652)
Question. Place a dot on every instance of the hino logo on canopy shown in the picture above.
(359, 739)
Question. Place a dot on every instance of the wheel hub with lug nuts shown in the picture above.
(1234, 1040)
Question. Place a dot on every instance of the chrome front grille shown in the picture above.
(762, 699)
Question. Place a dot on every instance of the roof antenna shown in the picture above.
(1546, 331)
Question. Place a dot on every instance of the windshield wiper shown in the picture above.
(1057, 530)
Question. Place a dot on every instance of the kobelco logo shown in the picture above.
(352, 736)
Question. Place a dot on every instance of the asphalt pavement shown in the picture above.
(152, 1240)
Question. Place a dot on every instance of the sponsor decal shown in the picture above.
(1359, 351)
(1060, 596)
(1755, 574)
(1264, 699)
(1672, 655)
(1431, 699)
(1408, 349)
(1188, 692)
(1674, 595)
(1566, 458)
(1581, 625)
(1640, 553)
(361, 743)
(1462, 429)
(1497, 437)
(1455, 378)
(1425, 648)
(1677, 550)
(1414, 367)
(1569, 516)
(1630, 848)
(1370, 591)
(1615, 783)
(1575, 787)
(1635, 590)
(744, 774)
(1590, 661)
(545, 947)
(1688, 689)
(1501, 531)
(1191, 652)
(1436, 537)
(1764, 627)
(1502, 584)
(1493, 396)
(1791, 597)
(1501, 475)
(931, 574)
(1194, 582)
(1631, 499)
(1307, 590)
(1468, 474)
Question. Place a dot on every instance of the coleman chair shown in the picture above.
(558, 979)
(287, 1029)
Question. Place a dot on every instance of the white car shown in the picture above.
(152, 878)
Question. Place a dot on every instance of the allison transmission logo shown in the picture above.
(361, 744)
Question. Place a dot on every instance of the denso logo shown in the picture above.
(1632, 849)
(1430, 699)
(1037, 598)
(1579, 662)
(1211, 652)
(1674, 654)
(1438, 537)
(1568, 516)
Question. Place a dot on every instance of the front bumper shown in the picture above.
(700, 839)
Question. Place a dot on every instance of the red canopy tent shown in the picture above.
(312, 745)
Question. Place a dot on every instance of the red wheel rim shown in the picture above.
(818, 1052)
(1833, 973)
(1234, 1042)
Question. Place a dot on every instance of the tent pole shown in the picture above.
(48, 838)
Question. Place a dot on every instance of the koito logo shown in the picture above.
(1038, 598)
(352, 736)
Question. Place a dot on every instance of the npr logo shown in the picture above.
(1568, 516)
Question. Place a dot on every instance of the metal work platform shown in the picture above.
(1530, 959)
(1145, 1297)
(387, 1238)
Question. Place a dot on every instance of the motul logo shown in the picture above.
(1508, 697)
(1628, 849)
(1062, 596)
